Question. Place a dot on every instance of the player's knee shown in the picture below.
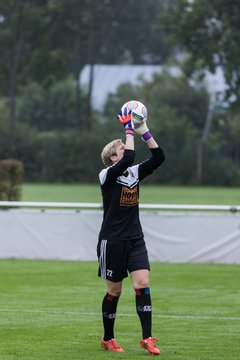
(115, 292)
(141, 284)
(114, 289)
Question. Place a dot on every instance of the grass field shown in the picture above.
(149, 194)
(51, 310)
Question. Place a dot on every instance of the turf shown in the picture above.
(51, 310)
(149, 194)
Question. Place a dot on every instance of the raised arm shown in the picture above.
(147, 167)
(121, 161)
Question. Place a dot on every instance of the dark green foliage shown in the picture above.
(11, 177)
(68, 157)
(53, 149)
(177, 112)
(46, 120)
(209, 32)
(47, 109)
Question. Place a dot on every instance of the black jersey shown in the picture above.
(120, 193)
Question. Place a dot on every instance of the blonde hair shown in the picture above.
(108, 151)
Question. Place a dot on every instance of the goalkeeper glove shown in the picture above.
(144, 132)
(125, 117)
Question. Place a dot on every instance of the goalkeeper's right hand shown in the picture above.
(143, 131)
(125, 117)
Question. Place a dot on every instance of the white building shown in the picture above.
(107, 78)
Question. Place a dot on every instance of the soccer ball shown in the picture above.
(139, 112)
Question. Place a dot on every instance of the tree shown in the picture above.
(83, 26)
(209, 32)
(49, 108)
(20, 20)
(136, 37)
(177, 113)
(107, 31)
(45, 41)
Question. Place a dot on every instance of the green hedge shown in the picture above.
(11, 178)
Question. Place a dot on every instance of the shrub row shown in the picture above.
(11, 178)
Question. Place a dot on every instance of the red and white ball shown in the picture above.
(139, 112)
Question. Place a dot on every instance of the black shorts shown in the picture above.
(117, 258)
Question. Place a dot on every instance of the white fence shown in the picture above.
(69, 231)
(78, 205)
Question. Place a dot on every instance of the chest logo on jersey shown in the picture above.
(129, 197)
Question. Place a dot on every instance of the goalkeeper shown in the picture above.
(121, 247)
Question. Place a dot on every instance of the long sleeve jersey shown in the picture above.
(120, 193)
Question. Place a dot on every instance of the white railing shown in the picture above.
(84, 205)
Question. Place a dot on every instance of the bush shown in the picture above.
(11, 177)
(48, 109)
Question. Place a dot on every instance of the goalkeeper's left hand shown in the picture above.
(143, 131)
(125, 117)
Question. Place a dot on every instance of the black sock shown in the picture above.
(109, 308)
(144, 310)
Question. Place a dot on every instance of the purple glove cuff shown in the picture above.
(147, 136)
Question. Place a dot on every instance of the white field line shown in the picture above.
(81, 314)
